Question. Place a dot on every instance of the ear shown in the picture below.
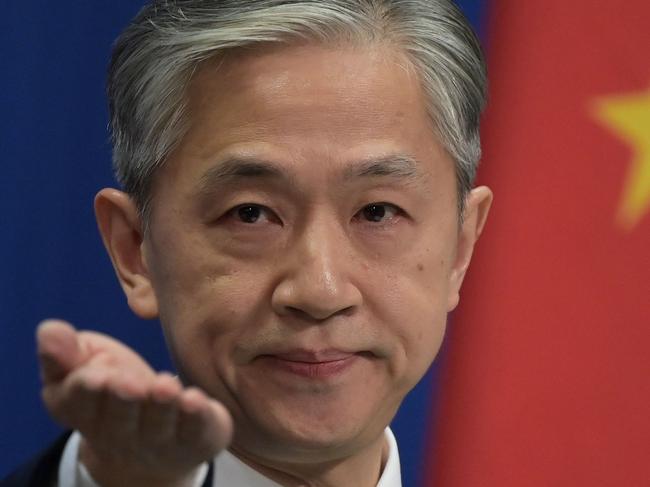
(477, 206)
(122, 232)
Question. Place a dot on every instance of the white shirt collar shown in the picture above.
(230, 471)
(392, 475)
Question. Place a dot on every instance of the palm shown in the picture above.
(146, 423)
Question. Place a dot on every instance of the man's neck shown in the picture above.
(362, 469)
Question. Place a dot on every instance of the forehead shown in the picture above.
(307, 105)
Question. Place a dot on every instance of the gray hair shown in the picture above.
(155, 57)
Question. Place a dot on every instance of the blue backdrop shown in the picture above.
(55, 155)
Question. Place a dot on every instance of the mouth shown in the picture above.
(322, 364)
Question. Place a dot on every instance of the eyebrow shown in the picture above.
(397, 166)
(235, 168)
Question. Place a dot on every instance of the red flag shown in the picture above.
(547, 376)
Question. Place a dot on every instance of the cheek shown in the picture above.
(414, 302)
(205, 309)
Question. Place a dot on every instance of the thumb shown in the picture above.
(59, 349)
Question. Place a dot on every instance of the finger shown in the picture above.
(223, 423)
(194, 423)
(118, 420)
(58, 348)
(203, 422)
(160, 412)
(75, 402)
(120, 410)
(85, 409)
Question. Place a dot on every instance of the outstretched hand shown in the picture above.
(138, 427)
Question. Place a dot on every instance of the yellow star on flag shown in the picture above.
(629, 117)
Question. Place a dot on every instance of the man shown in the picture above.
(298, 212)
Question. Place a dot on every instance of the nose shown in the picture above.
(316, 281)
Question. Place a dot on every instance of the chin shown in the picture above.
(310, 430)
(297, 446)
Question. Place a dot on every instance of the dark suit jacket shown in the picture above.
(42, 470)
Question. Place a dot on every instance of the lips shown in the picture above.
(311, 364)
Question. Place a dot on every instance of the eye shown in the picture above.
(378, 212)
(251, 214)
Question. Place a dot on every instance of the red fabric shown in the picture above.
(547, 374)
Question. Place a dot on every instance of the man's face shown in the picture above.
(303, 240)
